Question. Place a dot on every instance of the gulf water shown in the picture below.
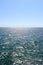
(21, 46)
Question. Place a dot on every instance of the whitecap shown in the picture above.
(3, 47)
(6, 42)
(19, 47)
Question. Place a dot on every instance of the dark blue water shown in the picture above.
(21, 46)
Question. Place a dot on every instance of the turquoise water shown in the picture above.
(21, 46)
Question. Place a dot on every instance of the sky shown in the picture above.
(21, 13)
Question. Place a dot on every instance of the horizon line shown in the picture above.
(20, 27)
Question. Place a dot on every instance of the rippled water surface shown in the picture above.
(21, 46)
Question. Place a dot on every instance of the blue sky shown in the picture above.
(21, 13)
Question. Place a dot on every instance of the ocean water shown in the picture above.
(21, 46)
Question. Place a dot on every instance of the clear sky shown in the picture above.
(21, 13)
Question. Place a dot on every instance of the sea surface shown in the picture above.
(21, 46)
